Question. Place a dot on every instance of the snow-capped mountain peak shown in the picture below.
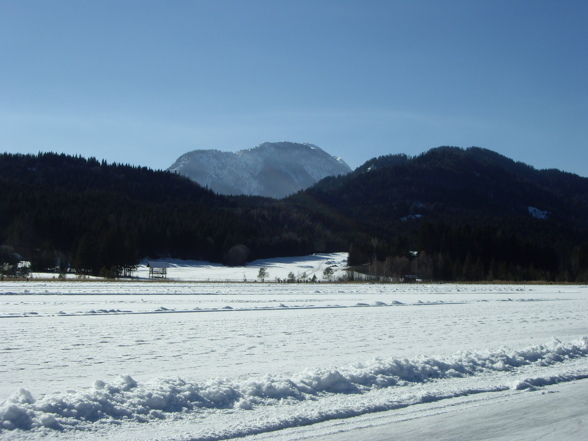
(273, 169)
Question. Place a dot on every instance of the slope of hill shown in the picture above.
(272, 169)
(457, 203)
(69, 212)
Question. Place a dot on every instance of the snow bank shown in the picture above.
(128, 400)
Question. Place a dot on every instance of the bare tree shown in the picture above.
(328, 273)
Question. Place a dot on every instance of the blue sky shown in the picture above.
(142, 82)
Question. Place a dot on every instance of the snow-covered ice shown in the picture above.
(208, 361)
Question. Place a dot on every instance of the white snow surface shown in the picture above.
(184, 360)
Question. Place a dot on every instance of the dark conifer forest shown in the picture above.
(70, 212)
(450, 214)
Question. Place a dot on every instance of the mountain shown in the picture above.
(449, 183)
(453, 203)
(273, 170)
(449, 214)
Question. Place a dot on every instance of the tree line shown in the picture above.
(451, 214)
(462, 253)
(63, 212)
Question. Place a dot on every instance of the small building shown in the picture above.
(410, 278)
(158, 270)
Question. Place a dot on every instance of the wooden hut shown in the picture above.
(158, 270)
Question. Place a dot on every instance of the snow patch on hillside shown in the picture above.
(538, 214)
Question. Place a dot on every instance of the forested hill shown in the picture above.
(472, 214)
(450, 183)
(58, 210)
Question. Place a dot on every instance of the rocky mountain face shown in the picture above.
(274, 170)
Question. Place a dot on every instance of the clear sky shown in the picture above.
(143, 81)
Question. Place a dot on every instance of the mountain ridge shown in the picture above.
(452, 178)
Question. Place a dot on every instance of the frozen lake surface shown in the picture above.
(211, 361)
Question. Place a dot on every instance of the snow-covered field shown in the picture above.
(188, 360)
(305, 267)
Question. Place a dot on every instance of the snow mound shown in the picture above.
(129, 400)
